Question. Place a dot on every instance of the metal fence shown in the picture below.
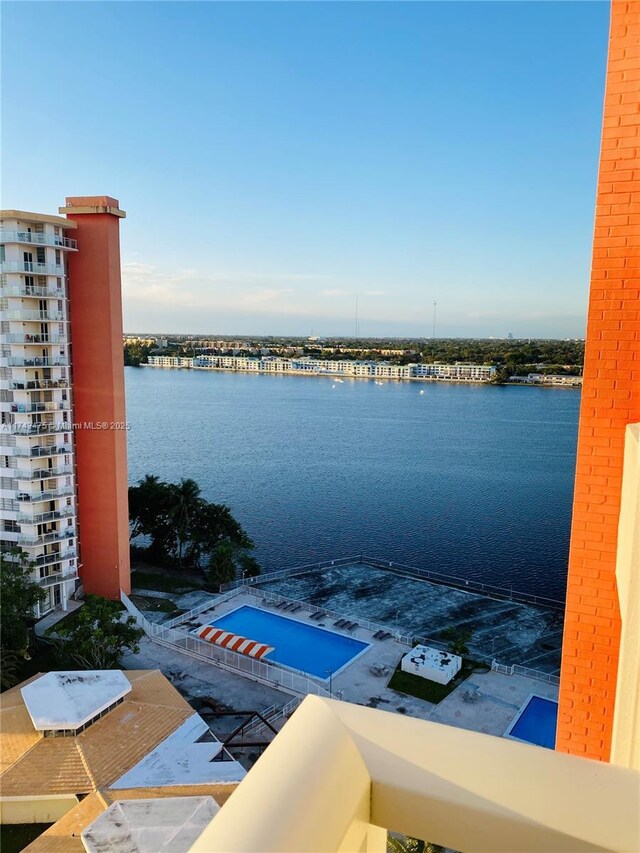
(266, 672)
(516, 669)
(489, 590)
(201, 608)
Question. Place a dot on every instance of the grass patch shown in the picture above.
(161, 582)
(156, 605)
(431, 691)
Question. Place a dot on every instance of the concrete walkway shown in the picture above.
(54, 617)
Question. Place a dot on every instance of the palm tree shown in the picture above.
(185, 502)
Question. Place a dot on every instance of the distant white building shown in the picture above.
(327, 367)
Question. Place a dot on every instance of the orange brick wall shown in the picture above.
(98, 397)
(610, 401)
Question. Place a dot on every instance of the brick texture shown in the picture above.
(610, 401)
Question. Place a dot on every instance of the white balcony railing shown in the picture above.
(32, 290)
(39, 497)
(339, 775)
(29, 408)
(38, 339)
(40, 361)
(58, 241)
(31, 268)
(40, 474)
(58, 577)
(36, 316)
(38, 451)
(42, 517)
(32, 541)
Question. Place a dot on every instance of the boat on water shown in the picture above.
(378, 382)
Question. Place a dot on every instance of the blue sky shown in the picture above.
(278, 160)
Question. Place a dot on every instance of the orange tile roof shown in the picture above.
(101, 754)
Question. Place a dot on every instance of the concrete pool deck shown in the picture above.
(500, 695)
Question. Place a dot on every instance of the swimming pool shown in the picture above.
(536, 722)
(313, 650)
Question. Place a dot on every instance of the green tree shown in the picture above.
(184, 528)
(185, 502)
(19, 595)
(222, 564)
(96, 637)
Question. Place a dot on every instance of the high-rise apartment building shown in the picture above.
(45, 450)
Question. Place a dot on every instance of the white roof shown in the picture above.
(181, 760)
(149, 826)
(433, 658)
(67, 700)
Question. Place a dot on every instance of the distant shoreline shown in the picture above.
(340, 378)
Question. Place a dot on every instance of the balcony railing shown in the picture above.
(32, 290)
(39, 497)
(50, 406)
(39, 429)
(42, 474)
(48, 559)
(31, 268)
(42, 517)
(28, 541)
(33, 339)
(38, 239)
(57, 577)
(41, 361)
(41, 385)
(38, 452)
(338, 775)
(36, 316)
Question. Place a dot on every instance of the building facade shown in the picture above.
(38, 486)
(57, 457)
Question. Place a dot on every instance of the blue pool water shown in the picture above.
(537, 722)
(297, 645)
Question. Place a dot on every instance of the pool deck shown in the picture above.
(500, 695)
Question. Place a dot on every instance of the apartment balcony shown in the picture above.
(27, 408)
(41, 474)
(27, 541)
(31, 268)
(35, 239)
(38, 451)
(49, 559)
(339, 775)
(49, 495)
(40, 385)
(40, 429)
(58, 577)
(40, 361)
(36, 340)
(33, 290)
(36, 316)
(43, 517)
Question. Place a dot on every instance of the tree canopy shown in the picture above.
(95, 636)
(184, 529)
(19, 594)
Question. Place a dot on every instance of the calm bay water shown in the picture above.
(473, 481)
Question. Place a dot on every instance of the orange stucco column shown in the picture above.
(610, 401)
(97, 375)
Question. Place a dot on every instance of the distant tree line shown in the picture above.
(187, 532)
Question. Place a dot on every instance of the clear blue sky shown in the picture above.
(276, 160)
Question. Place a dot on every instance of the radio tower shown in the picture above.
(434, 320)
